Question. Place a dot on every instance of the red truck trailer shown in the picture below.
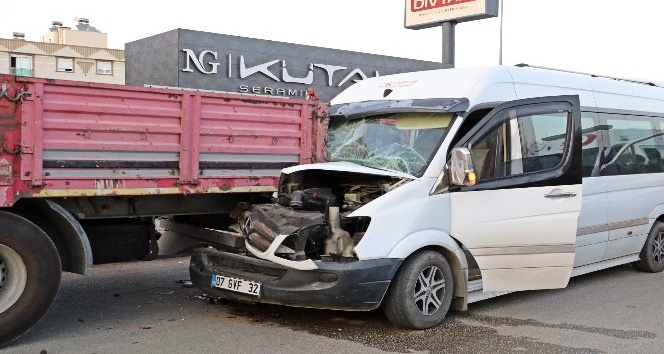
(79, 160)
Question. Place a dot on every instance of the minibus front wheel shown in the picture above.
(421, 292)
(652, 254)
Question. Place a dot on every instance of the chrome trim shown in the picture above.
(560, 195)
(591, 230)
(628, 223)
(613, 226)
(502, 251)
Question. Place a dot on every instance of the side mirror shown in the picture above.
(461, 169)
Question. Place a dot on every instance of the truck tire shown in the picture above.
(652, 254)
(421, 292)
(30, 274)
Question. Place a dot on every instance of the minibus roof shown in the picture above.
(493, 85)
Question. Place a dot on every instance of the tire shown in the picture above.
(409, 303)
(652, 254)
(30, 272)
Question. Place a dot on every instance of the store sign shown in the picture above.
(430, 13)
(210, 63)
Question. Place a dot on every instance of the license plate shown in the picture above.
(235, 284)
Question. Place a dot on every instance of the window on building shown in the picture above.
(20, 65)
(104, 67)
(64, 65)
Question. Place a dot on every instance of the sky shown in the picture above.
(617, 38)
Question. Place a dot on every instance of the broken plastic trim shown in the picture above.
(368, 108)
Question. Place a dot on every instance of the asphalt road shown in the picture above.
(140, 308)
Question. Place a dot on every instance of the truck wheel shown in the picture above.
(30, 273)
(652, 254)
(421, 292)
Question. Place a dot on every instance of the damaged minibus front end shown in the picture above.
(301, 249)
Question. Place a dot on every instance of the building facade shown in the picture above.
(218, 62)
(78, 54)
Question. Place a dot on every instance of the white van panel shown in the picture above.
(624, 95)
(595, 239)
(519, 244)
(594, 210)
(540, 83)
(395, 216)
(529, 260)
(589, 254)
(625, 246)
(630, 231)
(592, 233)
(536, 278)
(479, 85)
(416, 241)
(485, 213)
(633, 197)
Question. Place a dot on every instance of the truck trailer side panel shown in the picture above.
(67, 139)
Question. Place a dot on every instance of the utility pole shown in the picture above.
(448, 43)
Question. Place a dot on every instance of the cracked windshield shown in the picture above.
(403, 142)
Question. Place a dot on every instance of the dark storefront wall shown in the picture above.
(209, 61)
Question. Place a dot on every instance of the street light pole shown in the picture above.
(448, 43)
(500, 50)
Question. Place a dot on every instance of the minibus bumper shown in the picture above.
(354, 286)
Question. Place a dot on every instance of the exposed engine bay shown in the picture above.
(311, 210)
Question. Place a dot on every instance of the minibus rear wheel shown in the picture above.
(421, 292)
(652, 254)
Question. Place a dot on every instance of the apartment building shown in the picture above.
(80, 53)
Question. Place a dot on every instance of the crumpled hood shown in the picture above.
(343, 166)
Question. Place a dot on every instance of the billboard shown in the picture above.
(430, 13)
(219, 62)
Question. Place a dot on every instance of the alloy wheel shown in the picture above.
(429, 290)
(658, 247)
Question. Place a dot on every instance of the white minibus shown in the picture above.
(450, 186)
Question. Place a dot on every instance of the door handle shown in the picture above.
(560, 195)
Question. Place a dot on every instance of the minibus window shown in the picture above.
(521, 145)
(636, 146)
(404, 142)
(484, 156)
